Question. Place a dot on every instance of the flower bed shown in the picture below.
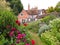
(10, 32)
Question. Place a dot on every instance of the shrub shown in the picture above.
(49, 39)
(44, 28)
(34, 26)
(55, 24)
(52, 36)
(48, 18)
(10, 33)
(58, 36)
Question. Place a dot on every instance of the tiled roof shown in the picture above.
(41, 16)
(32, 12)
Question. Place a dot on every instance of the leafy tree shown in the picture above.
(50, 9)
(16, 5)
(4, 5)
(57, 8)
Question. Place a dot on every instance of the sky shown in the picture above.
(41, 4)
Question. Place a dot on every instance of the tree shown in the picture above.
(50, 9)
(57, 8)
(4, 5)
(16, 5)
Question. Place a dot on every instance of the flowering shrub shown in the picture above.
(10, 30)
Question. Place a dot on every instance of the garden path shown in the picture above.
(36, 38)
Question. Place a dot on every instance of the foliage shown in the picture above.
(57, 8)
(7, 16)
(10, 33)
(43, 28)
(48, 18)
(16, 6)
(4, 5)
(49, 39)
(55, 24)
(34, 26)
(50, 9)
(52, 37)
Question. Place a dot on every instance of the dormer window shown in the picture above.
(21, 14)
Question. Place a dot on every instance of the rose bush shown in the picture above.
(10, 32)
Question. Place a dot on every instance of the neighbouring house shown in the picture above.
(30, 14)
(41, 14)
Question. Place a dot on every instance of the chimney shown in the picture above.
(28, 6)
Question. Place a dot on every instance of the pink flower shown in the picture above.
(11, 33)
(17, 41)
(24, 40)
(13, 29)
(23, 35)
(18, 31)
(19, 36)
(27, 44)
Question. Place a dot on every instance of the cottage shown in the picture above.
(30, 14)
(23, 16)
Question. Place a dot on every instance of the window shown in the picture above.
(21, 14)
(23, 21)
(29, 19)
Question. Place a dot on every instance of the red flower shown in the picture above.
(18, 22)
(33, 42)
(13, 29)
(25, 24)
(11, 33)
